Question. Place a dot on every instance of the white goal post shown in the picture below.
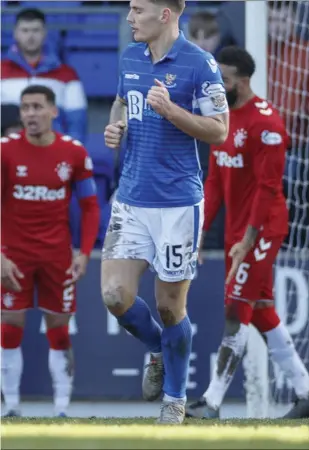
(256, 358)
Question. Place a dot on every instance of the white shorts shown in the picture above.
(167, 238)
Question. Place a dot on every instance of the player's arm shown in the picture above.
(85, 189)
(268, 148)
(118, 118)
(118, 111)
(213, 125)
(86, 193)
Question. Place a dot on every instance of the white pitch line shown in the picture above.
(125, 372)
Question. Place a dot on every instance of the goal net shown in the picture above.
(288, 89)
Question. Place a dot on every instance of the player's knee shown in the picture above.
(265, 319)
(167, 315)
(59, 338)
(237, 312)
(11, 335)
(116, 298)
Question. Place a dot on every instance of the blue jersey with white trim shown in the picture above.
(161, 167)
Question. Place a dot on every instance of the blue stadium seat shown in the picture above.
(98, 71)
(96, 31)
(50, 4)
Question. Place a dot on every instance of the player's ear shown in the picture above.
(165, 15)
(55, 112)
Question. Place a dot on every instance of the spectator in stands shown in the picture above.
(10, 120)
(204, 30)
(30, 60)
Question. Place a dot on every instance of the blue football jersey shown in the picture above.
(161, 166)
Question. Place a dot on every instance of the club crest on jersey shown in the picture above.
(240, 137)
(169, 80)
(64, 171)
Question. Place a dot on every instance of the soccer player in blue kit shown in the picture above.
(157, 215)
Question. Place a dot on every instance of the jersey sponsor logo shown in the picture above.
(211, 90)
(240, 137)
(131, 76)
(271, 138)
(21, 171)
(138, 107)
(64, 171)
(219, 101)
(225, 160)
(213, 65)
(38, 193)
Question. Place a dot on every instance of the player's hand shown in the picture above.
(113, 134)
(10, 274)
(238, 253)
(77, 269)
(159, 99)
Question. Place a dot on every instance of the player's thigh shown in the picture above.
(177, 239)
(53, 295)
(14, 304)
(255, 273)
(127, 236)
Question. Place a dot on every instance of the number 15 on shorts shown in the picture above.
(174, 256)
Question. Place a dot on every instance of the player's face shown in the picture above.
(37, 114)
(30, 36)
(147, 20)
(231, 82)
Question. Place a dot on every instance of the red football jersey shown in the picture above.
(36, 185)
(245, 173)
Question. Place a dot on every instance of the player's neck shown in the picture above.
(43, 140)
(161, 46)
(243, 99)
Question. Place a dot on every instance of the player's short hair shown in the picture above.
(175, 5)
(239, 58)
(30, 14)
(39, 89)
(203, 20)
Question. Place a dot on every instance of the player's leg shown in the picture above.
(281, 348)
(177, 241)
(127, 252)
(240, 298)
(13, 316)
(60, 360)
(58, 303)
(176, 346)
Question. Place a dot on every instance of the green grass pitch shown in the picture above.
(144, 434)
